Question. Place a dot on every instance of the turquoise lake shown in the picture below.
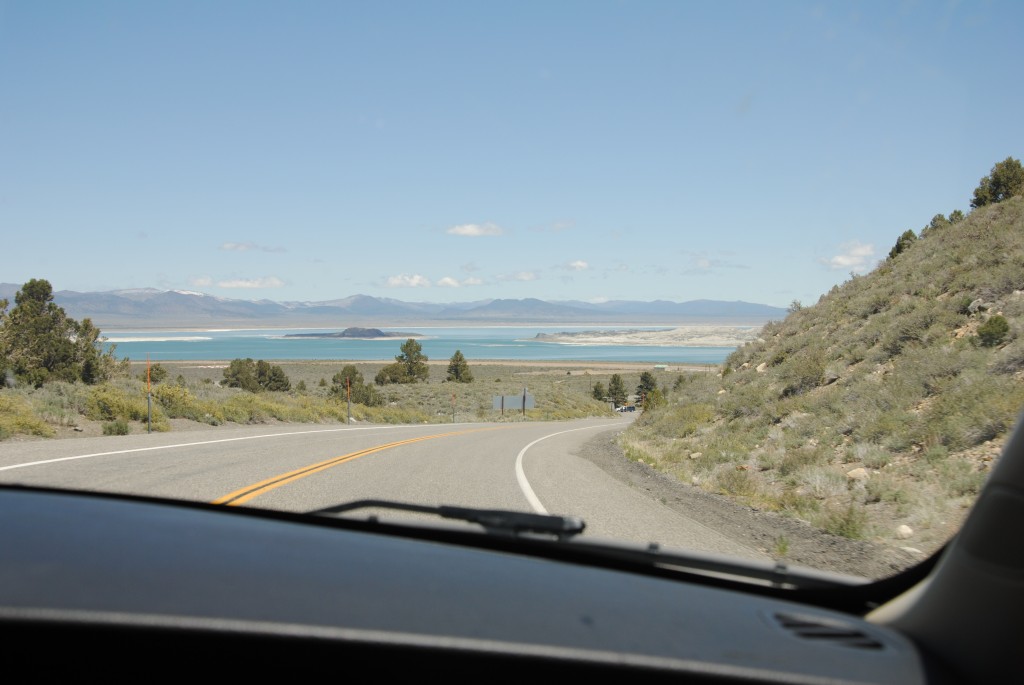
(500, 343)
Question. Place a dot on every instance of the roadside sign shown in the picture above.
(517, 402)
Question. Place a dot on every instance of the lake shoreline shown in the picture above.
(547, 364)
(679, 346)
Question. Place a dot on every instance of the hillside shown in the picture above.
(877, 412)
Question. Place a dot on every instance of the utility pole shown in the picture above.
(149, 400)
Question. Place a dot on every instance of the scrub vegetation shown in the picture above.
(319, 392)
(877, 412)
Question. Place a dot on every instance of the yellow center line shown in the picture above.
(243, 495)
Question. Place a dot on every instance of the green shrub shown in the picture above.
(678, 421)
(849, 521)
(108, 402)
(175, 399)
(797, 459)
(60, 403)
(960, 478)
(116, 427)
(17, 418)
(736, 480)
(803, 371)
(882, 488)
(993, 331)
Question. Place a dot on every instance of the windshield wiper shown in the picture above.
(493, 520)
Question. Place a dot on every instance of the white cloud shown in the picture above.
(578, 265)
(524, 276)
(855, 256)
(701, 264)
(556, 227)
(449, 282)
(475, 230)
(245, 247)
(266, 282)
(408, 281)
(200, 281)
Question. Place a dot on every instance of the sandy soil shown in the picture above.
(806, 546)
(543, 366)
(682, 336)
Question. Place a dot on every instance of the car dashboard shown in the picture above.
(196, 589)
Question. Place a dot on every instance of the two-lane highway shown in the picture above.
(517, 466)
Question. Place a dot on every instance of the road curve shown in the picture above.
(530, 466)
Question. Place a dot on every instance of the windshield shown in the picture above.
(738, 278)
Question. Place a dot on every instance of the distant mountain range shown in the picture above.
(152, 308)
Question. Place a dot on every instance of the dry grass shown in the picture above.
(191, 395)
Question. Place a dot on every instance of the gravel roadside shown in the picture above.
(770, 532)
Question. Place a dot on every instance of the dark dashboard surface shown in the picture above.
(172, 583)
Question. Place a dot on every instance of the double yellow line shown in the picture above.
(247, 493)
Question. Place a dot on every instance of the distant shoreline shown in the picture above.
(661, 346)
(597, 326)
(679, 336)
(581, 365)
(357, 333)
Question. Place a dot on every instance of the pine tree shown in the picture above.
(617, 390)
(458, 369)
(39, 342)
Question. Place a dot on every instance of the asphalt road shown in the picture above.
(522, 466)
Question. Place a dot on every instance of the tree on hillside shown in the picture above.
(39, 342)
(648, 383)
(413, 359)
(241, 373)
(1004, 181)
(350, 380)
(458, 369)
(617, 390)
(653, 399)
(410, 366)
(255, 376)
(155, 374)
(904, 241)
(598, 392)
(349, 376)
(272, 377)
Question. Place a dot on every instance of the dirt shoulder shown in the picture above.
(804, 545)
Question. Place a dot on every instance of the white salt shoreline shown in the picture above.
(681, 336)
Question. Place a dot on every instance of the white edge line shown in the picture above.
(524, 484)
(205, 442)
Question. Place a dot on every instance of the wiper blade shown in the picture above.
(493, 520)
(776, 573)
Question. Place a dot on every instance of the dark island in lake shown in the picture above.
(356, 333)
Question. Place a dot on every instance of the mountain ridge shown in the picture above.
(155, 308)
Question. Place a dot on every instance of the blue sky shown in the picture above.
(460, 151)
